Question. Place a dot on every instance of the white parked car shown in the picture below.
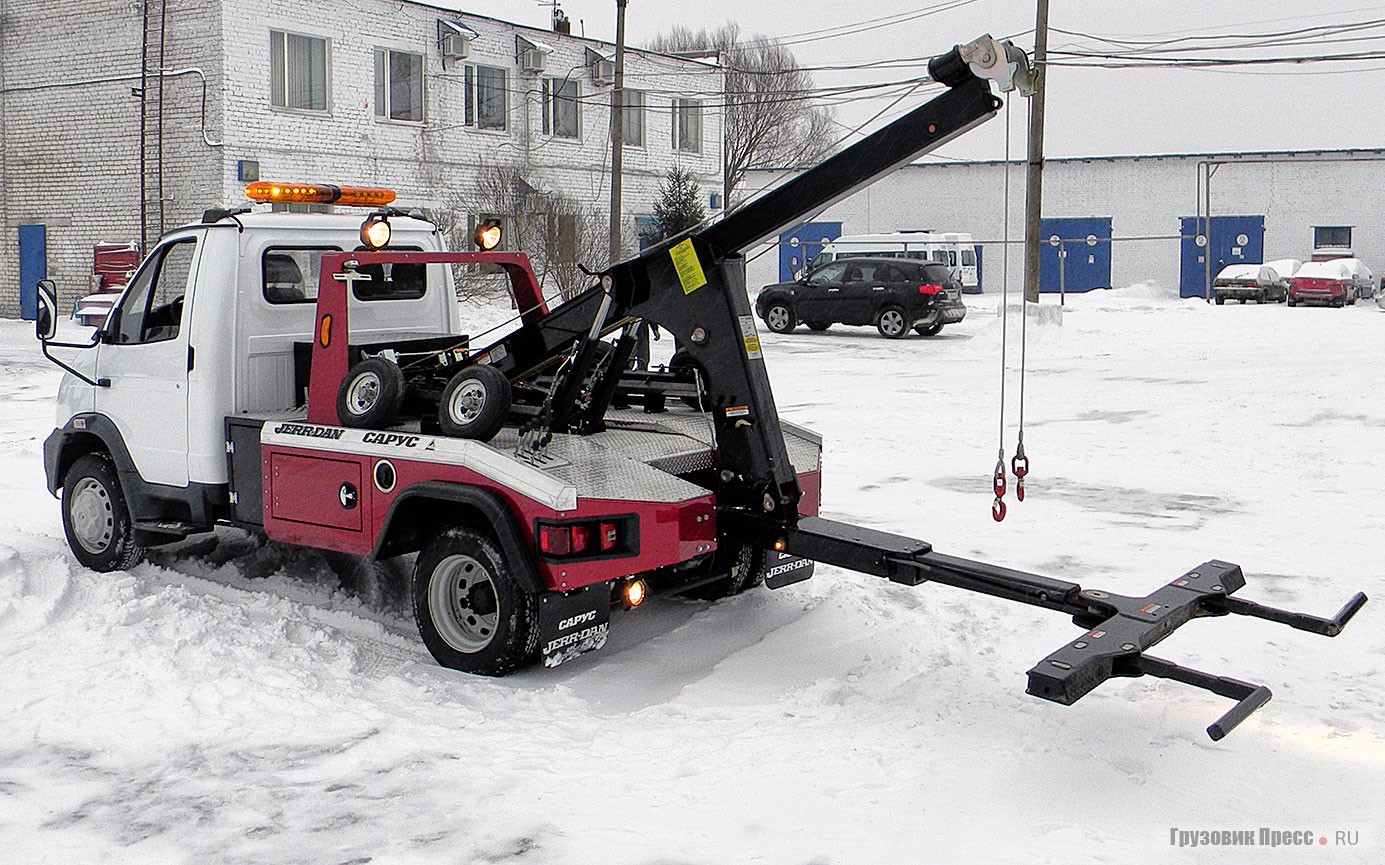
(1363, 281)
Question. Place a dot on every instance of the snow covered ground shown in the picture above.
(230, 702)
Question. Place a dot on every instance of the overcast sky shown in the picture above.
(1091, 112)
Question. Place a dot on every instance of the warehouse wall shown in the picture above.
(1143, 196)
(71, 153)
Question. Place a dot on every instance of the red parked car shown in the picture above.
(1327, 282)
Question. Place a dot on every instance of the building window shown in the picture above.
(398, 85)
(687, 125)
(297, 71)
(1332, 237)
(632, 118)
(483, 94)
(560, 107)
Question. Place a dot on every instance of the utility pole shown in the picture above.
(618, 131)
(1034, 175)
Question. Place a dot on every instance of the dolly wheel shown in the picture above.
(371, 394)
(475, 403)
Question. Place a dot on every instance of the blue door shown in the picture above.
(1086, 242)
(33, 266)
(1232, 240)
(980, 278)
(800, 244)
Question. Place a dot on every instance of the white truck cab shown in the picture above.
(207, 329)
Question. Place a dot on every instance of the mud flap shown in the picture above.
(782, 569)
(572, 623)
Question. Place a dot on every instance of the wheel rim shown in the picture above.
(777, 318)
(363, 394)
(891, 322)
(462, 603)
(93, 515)
(467, 402)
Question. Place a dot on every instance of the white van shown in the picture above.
(954, 249)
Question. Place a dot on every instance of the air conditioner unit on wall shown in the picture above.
(455, 46)
(604, 71)
(533, 60)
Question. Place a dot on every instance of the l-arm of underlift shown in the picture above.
(1118, 629)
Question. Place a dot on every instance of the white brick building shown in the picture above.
(1282, 203)
(401, 94)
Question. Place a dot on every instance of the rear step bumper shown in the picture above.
(1118, 629)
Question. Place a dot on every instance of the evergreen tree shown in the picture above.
(679, 206)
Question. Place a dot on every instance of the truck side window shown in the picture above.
(290, 273)
(393, 281)
(153, 307)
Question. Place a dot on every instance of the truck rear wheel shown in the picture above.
(472, 614)
(475, 403)
(746, 571)
(96, 518)
(371, 394)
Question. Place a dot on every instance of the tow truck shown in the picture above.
(309, 378)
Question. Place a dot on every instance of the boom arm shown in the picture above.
(694, 287)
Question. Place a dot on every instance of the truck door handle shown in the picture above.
(190, 358)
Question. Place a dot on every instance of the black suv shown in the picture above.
(894, 294)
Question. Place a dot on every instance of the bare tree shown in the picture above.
(770, 122)
(556, 231)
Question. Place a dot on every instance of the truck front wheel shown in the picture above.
(472, 614)
(96, 518)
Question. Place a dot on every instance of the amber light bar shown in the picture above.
(319, 193)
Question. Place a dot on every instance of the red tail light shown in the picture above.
(589, 539)
(930, 288)
(581, 539)
(610, 536)
(555, 540)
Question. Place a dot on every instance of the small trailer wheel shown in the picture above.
(371, 394)
(929, 329)
(96, 518)
(475, 403)
(471, 612)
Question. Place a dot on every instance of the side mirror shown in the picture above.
(46, 322)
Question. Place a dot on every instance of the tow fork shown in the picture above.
(1118, 629)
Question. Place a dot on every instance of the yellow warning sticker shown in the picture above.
(750, 337)
(689, 268)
